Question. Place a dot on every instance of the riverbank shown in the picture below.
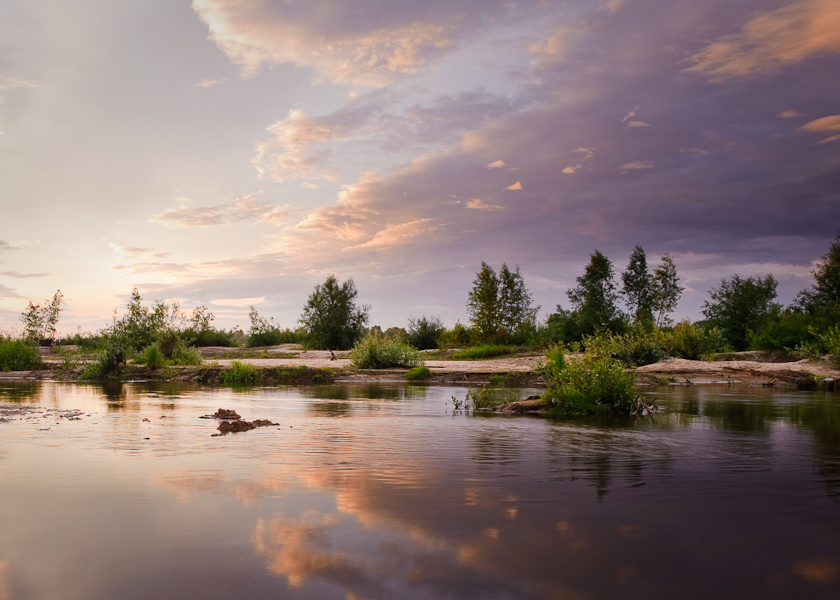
(289, 364)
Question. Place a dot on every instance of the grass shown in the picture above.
(241, 373)
(378, 352)
(18, 355)
(153, 357)
(418, 374)
(483, 352)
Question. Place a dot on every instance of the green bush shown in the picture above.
(690, 341)
(424, 333)
(376, 352)
(210, 337)
(635, 348)
(587, 384)
(457, 336)
(19, 355)
(153, 357)
(418, 374)
(110, 362)
(482, 352)
(274, 336)
(241, 373)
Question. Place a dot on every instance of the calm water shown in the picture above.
(384, 492)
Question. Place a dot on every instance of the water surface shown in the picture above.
(387, 492)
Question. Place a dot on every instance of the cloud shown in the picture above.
(571, 169)
(833, 138)
(6, 246)
(496, 164)
(16, 275)
(400, 233)
(773, 39)
(308, 185)
(831, 123)
(628, 121)
(129, 252)
(247, 208)
(210, 83)
(7, 292)
(357, 43)
(478, 204)
(637, 164)
(239, 301)
(515, 187)
(789, 114)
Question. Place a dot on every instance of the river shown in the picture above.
(376, 491)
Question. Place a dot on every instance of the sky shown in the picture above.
(229, 153)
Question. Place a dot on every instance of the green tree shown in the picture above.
(483, 302)
(638, 289)
(514, 304)
(331, 318)
(40, 320)
(826, 289)
(424, 333)
(594, 297)
(666, 290)
(741, 307)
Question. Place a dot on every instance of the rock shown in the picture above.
(228, 415)
(226, 427)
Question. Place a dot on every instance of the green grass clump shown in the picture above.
(482, 352)
(377, 352)
(418, 374)
(588, 384)
(153, 357)
(18, 355)
(241, 374)
(185, 355)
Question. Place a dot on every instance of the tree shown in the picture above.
(638, 289)
(40, 320)
(740, 307)
(483, 302)
(499, 303)
(595, 296)
(826, 289)
(331, 318)
(514, 300)
(666, 290)
(424, 333)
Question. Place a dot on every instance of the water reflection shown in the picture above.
(398, 498)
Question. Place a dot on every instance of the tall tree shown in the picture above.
(483, 302)
(826, 289)
(740, 307)
(514, 300)
(638, 287)
(40, 320)
(666, 290)
(594, 297)
(331, 317)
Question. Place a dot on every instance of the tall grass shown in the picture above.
(241, 373)
(19, 355)
(482, 352)
(377, 352)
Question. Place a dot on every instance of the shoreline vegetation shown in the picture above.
(589, 360)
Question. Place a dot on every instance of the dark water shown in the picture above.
(383, 492)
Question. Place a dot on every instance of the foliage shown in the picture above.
(110, 363)
(457, 336)
(264, 332)
(741, 306)
(201, 338)
(635, 348)
(666, 290)
(689, 341)
(331, 318)
(185, 355)
(377, 352)
(499, 305)
(19, 355)
(482, 352)
(418, 374)
(826, 288)
(40, 320)
(786, 330)
(638, 289)
(240, 373)
(587, 384)
(594, 297)
(424, 333)
(153, 357)
(401, 335)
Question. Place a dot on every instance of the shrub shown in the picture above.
(586, 385)
(185, 355)
(424, 333)
(482, 352)
(377, 352)
(418, 374)
(635, 348)
(690, 341)
(241, 373)
(457, 336)
(110, 363)
(211, 337)
(153, 357)
(274, 336)
(18, 355)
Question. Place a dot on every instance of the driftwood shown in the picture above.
(645, 409)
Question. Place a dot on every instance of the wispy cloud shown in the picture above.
(773, 39)
(637, 164)
(16, 275)
(515, 186)
(478, 204)
(246, 208)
